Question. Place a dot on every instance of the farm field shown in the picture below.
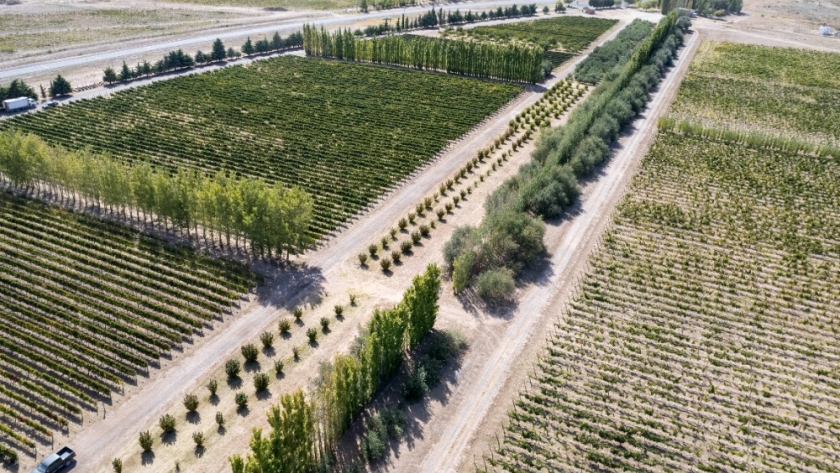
(86, 306)
(569, 34)
(704, 334)
(772, 90)
(342, 132)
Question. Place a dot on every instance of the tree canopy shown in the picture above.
(60, 86)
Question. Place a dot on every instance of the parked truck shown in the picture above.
(20, 103)
(56, 462)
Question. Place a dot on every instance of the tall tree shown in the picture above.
(60, 87)
(218, 52)
(248, 47)
(125, 73)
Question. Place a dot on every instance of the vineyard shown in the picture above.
(86, 306)
(775, 90)
(704, 335)
(269, 120)
(567, 33)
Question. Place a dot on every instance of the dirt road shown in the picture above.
(469, 407)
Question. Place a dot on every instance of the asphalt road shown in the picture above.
(328, 19)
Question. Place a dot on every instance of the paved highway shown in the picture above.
(328, 20)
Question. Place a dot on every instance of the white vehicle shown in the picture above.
(19, 103)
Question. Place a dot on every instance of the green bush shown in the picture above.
(146, 441)
(285, 325)
(363, 259)
(220, 419)
(406, 247)
(261, 382)
(298, 313)
(278, 366)
(338, 310)
(117, 465)
(232, 368)
(212, 386)
(396, 256)
(325, 324)
(385, 264)
(312, 334)
(241, 400)
(495, 285)
(191, 402)
(250, 352)
(267, 339)
(415, 387)
(198, 438)
(167, 423)
(416, 238)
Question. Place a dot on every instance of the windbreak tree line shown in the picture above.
(510, 237)
(17, 88)
(605, 61)
(508, 62)
(178, 59)
(275, 220)
(304, 432)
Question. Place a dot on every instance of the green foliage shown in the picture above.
(297, 312)
(278, 366)
(220, 419)
(290, 447)
(218, 51)
(60, 87)
(381, 426)
(500, 61)
(167, 423)
(146, 441)
(248, 47)
(312, 334)
(267, 339)
(363, 259)
(212, 386)
(613, 54)
(284, 325)
(385, 264)
(261, 381)
(117, 465)
(406, 247)
(17, 88)
(140, 126)
(325, 324)
(495, 285)
(396, 256)
(415, 387)
(109, 75)
(241, 400)
(273, 218)
(250, 352)
(232, 368)
(198, 438)
(191, 402)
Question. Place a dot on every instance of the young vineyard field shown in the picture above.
(84, 305)
(342, 132)
(773, 90)
(566, 33)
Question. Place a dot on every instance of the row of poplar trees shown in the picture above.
(275, 220)
(302, 431)
(498, 61)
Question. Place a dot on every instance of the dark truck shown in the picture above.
(56, 461)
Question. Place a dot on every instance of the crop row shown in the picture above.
(704, 335)
(342, 132)
(96, 291)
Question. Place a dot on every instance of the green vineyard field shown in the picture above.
(704, 336)
(342, 132)
(567, 33)
(84, 305)
(777, 90)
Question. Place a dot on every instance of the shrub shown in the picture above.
(427, 202)
(278, 366)
(338, 310)
(220, 419)
(232, 368)
(363, 259)
(250, 352)
(448, 207)
(449, 183)
(411, 217)
(372, 249)
(385, 264)
(285, 325)
(191, 402)
(146, 441)
(464, 193)
(261, 382)
(325, 324)
(455, 200)
(312, 334)
(406, 247)
(384, 242)
(167, 423)
(396, 256)
(418, 209)
(298, 313)
(374, 446)
(415, 386)
(198, 438)
(296, 353)
(241, 400)
(267, 339)
(440, 214)
(442, 189)
(402, 223)
(393, 233)
(116, 463)
(212, 386)
(425, 230)
(416, 237)
(495, 285)
(353, 299)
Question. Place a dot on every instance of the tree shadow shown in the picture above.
(169, 438)
(243, 411)
(314, 343)
(252, 367)
(234, 383)
(263, 394)
(214, 399)
(285, 335)
(268, 351)
(221, 430)
(193, 417)
(199, 451)
(147, 458)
